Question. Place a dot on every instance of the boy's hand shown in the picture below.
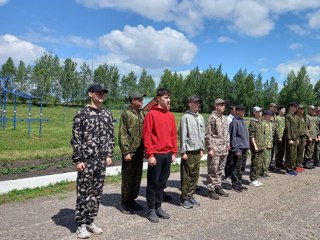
(108, 161)
(80, 166)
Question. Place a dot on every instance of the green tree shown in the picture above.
(109, 77)
(146, 83)
(128, 84)
(8, 69)
(70, 82)
(316, 91)
(22, 78)
(270, 92)
(86, 78)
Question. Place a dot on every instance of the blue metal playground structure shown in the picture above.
(7, 87)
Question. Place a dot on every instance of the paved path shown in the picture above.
(286, 207)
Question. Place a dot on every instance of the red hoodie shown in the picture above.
(159, 132)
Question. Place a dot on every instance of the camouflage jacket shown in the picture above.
(268, 134)
(291, 129)
(130, 130)
(302, 126)
(279, 126)
(217, 134)
(92, 134)
(312, 126)
(192, 131)
(256, 131)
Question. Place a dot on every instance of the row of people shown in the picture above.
(154, 136)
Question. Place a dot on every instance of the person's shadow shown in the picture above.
(65, 218)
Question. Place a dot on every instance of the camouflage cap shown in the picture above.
(193, 99)
(135, 95)
(273, 105)
(311, 107)
(301, 106)
(219, 101)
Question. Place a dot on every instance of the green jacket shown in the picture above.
(312, 126)
(130, 130)
(256, 131)
(268, 133)
(279, 126)
(291, 130)
(302, 126)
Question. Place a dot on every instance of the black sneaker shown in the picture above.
(237, 188)
(194, 202)
(162, 214)
(136, 206)
(316, 164)
(186, 203)
(243, 188)
(152, 216)
(125, 208)
(220, 192)
(213, 195)
(166, 197)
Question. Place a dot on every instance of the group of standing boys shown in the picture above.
(154, 136)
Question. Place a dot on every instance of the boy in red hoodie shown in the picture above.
(160, 142)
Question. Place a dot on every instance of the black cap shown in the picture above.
(293, 104)
(97, 88)
(267, 112)
(240, 107)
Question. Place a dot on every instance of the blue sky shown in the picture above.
(270, 37)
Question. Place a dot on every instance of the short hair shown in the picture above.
(163, 91)
(231, 107)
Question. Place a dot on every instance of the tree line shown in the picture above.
(66, 83)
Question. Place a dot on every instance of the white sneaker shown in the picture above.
(94, 229)
(255, 183)
(82, 232)
(260, 183)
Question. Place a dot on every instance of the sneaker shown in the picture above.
(237, 188)
(135, 206)
(194, 202)
(166, 197)
(261, 184)
(82, 232)
(152, 216)
(125, 208)
(255, 183)
(292, 173)
(213, 195)
(162, 214)
(220, 192)
(94, 229)
(227, 180)
(316, 164)
(186, 203)
(299, 170)
(308, 166)
(243, 188)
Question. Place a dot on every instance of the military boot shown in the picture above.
(213, 195)
(220, 192)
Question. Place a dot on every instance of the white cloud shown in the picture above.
(223, 39)
(264, 70)
(300, 30)
(314, 20)
(81, 42)
(190, 16)
(3, 2)
(295, 65)
(18, 49)
(295, 46)
(149, 48)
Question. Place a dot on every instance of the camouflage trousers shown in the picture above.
(309, 151)
(280, 149)
(131, 172)
(216, 166)
(90, 184)
(190, 170)
(257, 160)
(266, 159)
(301, 149)
(291, 155)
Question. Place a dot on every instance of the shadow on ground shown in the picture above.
(65, 218)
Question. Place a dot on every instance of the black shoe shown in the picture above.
(243, 188)
(317, 164)
(237, 188)
(166, 197)
(186, 203)
(213, 195)
(194, 202)
(135, 206)
(162, 214)
(125, 208)
(220, 192)
(152, 216)
(307, 166)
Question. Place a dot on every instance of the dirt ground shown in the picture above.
(284, 208)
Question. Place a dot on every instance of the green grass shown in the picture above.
(63, 187)
(56, 134)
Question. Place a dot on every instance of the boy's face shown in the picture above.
(137, 103)
(300, 111)
(282, 111)
(220, 107)
(241, 113)
(97, 97)
(164, 101)
(258, 114)
(194, 106)
(268, 117)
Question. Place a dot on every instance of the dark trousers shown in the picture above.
(131, 173)
(228, 167)
(238, 167)
(190, 170)
(157, 178)
(280, 149)
(90, 184)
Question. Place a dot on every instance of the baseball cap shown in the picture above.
(219, 101)
(193, 99)
(97, 88)
(257, 109)
(311, 107)
(240, 107)
(135, 95)
(293, 104)
(273, 105)
(267, 112)
(301, 106)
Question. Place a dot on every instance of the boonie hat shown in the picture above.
(97, 88)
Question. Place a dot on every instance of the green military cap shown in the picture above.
(219, 101)
(135, 95)
(301, 106)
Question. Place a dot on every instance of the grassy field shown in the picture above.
(15, 145)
